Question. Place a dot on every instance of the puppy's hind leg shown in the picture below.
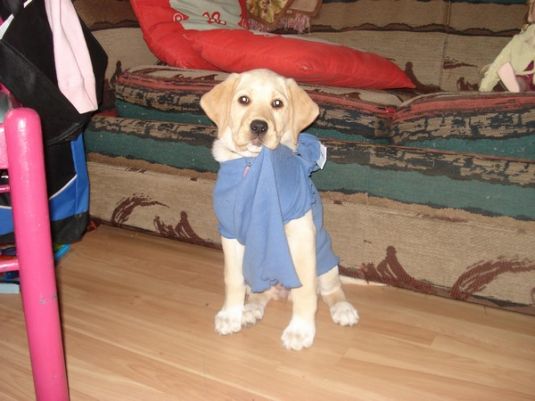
(255, 303)
(330, 287)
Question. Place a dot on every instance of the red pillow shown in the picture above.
(165, 36)
(306, 61)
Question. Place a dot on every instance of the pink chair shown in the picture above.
(21, 152)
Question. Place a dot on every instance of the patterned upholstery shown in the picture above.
(431, 190)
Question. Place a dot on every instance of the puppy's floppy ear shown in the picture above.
(216, 103)
(304, 110)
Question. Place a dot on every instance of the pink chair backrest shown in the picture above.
(21, 145)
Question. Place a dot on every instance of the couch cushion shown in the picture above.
(495, 124)
(163, 34)
(418, 176)
(171, 94)
(470, 151)
(307, 61)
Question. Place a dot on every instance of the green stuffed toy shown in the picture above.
(515, 65)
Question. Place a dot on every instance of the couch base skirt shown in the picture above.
(446, 252)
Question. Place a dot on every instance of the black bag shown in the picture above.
(27, 69)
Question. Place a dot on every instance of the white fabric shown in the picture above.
(76, 79)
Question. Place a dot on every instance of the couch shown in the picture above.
(430, 189)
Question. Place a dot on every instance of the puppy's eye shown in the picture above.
(244, 100)
(277, 104)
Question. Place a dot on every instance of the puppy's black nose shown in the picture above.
(259, 127)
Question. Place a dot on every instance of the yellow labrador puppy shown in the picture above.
(253, 111)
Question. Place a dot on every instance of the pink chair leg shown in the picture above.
(34, 251)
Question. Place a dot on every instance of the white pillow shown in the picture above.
(207, 14)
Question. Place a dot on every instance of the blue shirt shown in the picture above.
(255, 197)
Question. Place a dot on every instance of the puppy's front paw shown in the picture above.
(344, 314)
(228, 320)
(252, 312)
(299, 334)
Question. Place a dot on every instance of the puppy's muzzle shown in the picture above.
(258, 130)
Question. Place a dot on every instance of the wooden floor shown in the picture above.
(138, 325)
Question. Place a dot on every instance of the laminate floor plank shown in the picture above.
(138, 316)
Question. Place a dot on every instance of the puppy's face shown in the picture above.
(254, 109)
(259, 110)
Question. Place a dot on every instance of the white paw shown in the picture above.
(252, 312)
(299, 334)
(344, 314)
(229, 320)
